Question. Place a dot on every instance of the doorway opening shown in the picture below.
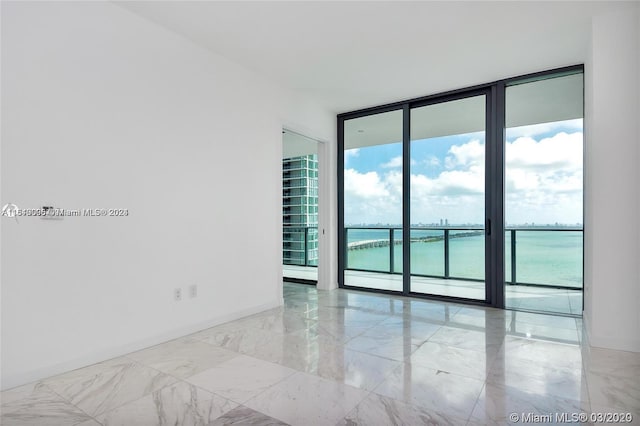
(300, 239)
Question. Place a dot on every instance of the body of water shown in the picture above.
(542, 257)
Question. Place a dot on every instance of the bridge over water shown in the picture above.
(366, 244)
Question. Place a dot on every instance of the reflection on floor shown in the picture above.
(542, 299)
(346, 358)
(300, 272)
(531, 298)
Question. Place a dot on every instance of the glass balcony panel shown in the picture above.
(427, 252)
(466, 254)
(368, 249)
(551, 258)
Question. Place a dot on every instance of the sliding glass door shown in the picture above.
(373, 199)
(441, 156)
(447, 187)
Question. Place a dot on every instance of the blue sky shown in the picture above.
(544, 178)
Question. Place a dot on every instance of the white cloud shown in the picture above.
(542, 128)
(456, 195)
(544, 179)
(350, 153)
(432, 161)
(561, 151)
(395, 162)
(457, 182)
(543, 185)
(372, 198)
(364, 185)
(468, 154)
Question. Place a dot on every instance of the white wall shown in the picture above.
(328, 214)
(104, 109)
(612, 197)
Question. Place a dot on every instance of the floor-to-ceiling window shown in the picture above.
(486, 185)
(543, 194)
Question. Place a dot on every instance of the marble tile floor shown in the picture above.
(530, 298)
(345, 358)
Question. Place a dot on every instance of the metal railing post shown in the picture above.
(391, 250)
(306, 246)
(446, 253)
(513, 256)
(346, 249)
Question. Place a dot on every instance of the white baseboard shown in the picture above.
(614, 343)
(606, 342)
(12, 380)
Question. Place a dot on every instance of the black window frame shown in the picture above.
(494, 181)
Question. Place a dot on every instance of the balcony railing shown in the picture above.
(533, 255)
(536, 256)
(300, 245)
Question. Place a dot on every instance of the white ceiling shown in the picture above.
(351, 55)
(542, 101)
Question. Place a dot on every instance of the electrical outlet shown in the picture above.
(177, 294)
(193, 291)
